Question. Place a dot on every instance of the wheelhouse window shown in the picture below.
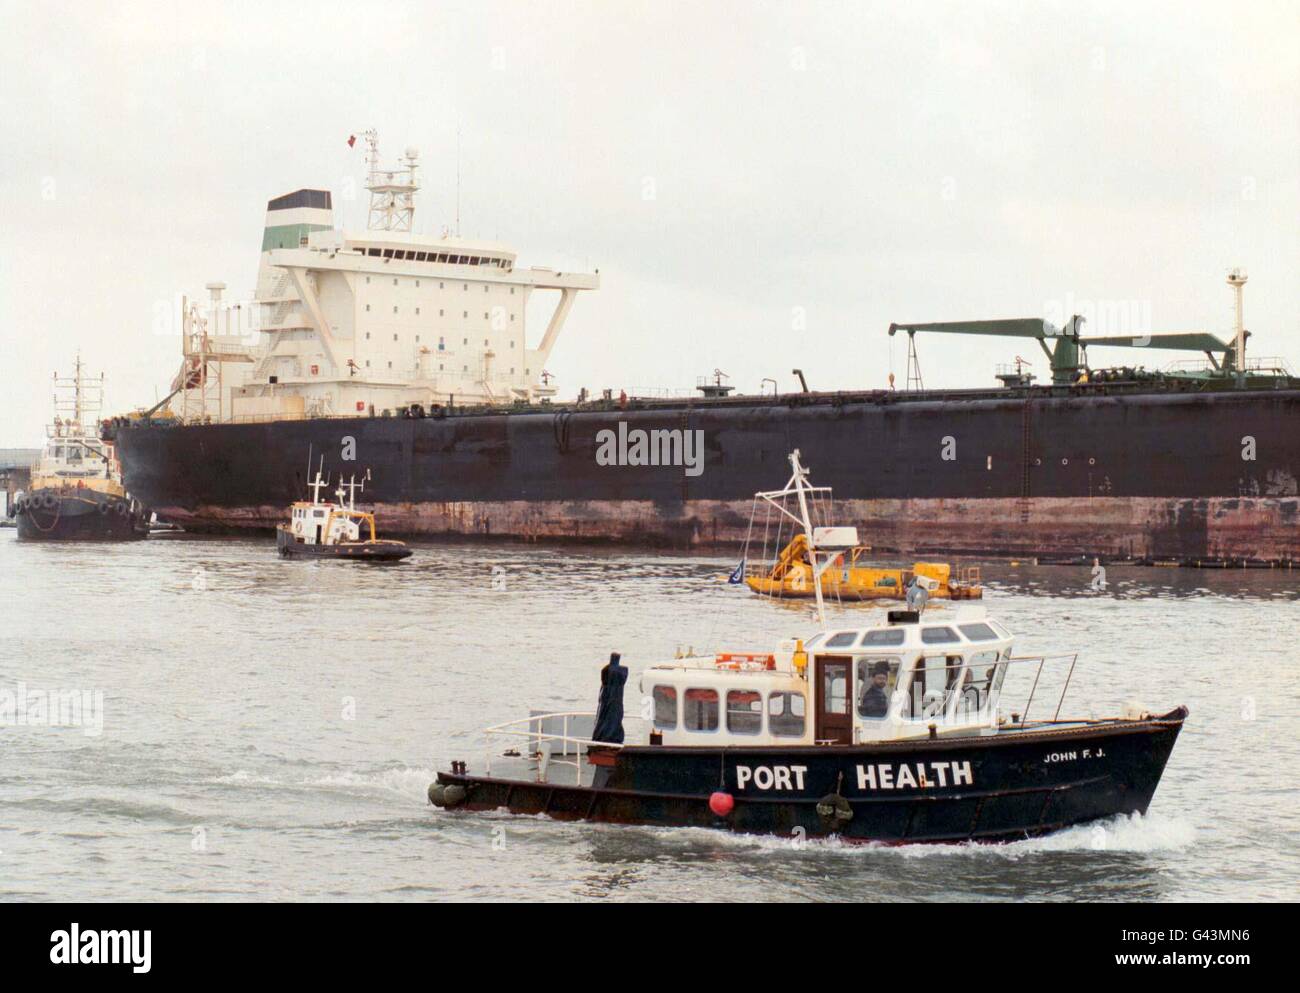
(877, 680)
(665, 707)
(978, 632)
(938, 636)
(976, 682)
(842, 639)
(931, 685)
(744, 711)
(701, 710)
(884, 637)
(785, 714)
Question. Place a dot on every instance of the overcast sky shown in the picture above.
(761, 185)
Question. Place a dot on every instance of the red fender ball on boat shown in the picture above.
(721, 803)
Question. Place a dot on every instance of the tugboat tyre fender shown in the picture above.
(453, 795)
(436, 791)
(121, 509)
(833, 807)
(102, 508)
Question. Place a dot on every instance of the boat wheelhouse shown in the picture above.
(888, 682)
(902, 731)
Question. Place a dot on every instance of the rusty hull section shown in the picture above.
(1211, 528)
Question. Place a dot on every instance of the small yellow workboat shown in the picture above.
(850, 577)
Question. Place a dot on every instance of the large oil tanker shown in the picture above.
(405, 355)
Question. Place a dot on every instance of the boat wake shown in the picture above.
(1124, 834)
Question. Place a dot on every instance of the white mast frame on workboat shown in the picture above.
(799, 486)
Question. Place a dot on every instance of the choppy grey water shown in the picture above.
(269, 728)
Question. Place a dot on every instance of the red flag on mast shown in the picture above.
(352, 140)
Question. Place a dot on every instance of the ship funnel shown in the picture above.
(290, 218)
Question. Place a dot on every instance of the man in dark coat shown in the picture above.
(874, 701)
(609, 711)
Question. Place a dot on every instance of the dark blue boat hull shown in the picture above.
(1004, 787)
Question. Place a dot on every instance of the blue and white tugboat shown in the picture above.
(911, 730)
(322, 530)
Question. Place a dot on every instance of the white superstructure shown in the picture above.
(349, 321)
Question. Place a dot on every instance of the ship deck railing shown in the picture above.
(541, 751)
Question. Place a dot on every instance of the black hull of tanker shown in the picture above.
(345, 551)
(1013, 786)
(1100, 471)
(85, 515)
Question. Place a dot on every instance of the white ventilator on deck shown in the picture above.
(346, 322)
(1237, 280)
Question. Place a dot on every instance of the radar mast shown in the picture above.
(392, 191)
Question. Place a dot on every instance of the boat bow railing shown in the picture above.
(1037, 663)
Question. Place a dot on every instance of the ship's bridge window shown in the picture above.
(842, 639)
(884, 637)
(877, 680)
(938, 636)
(978, 632)
(319, 513)
(785, 714)
(813, 640)
(374, 252)
(744, 711)
(701, 710)
(665, 703)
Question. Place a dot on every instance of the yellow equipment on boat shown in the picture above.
(848, 578)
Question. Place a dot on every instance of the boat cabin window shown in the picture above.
(931, 684)
(841, 639)
(978, 632)
(885, 636)
(665, 706)
(976, 682)
(744, 712)
(877, 680)
(701, 710)
(815, 639)
(834, 690)
(938, 636)
(785, 715)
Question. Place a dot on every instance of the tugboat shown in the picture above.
(319, 530)
(901, 732)
(76, 490)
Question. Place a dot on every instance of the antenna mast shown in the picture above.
(392, 191)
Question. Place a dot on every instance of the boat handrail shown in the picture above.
(1019, 715)
(1042, 660)
(532, 729)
